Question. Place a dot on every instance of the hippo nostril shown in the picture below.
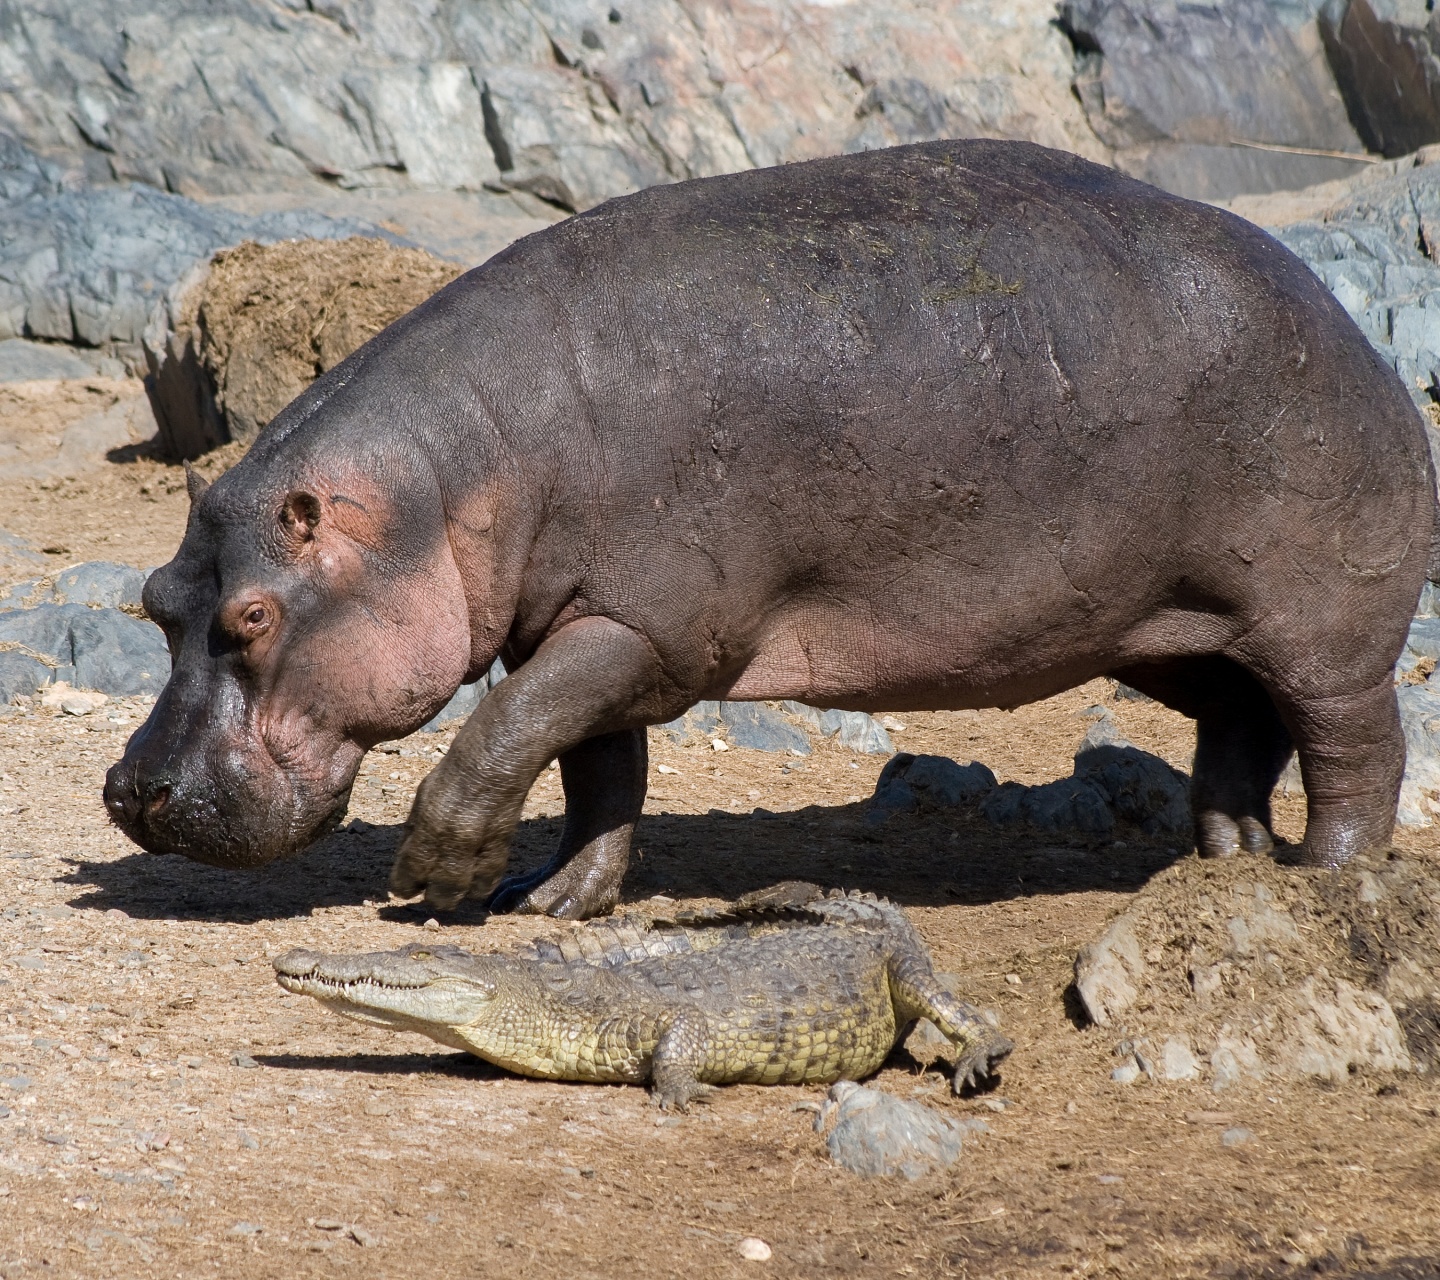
(157, 801)
(121, 801)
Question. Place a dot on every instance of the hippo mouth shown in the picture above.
(233, 827)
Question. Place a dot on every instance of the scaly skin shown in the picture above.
(805, 989)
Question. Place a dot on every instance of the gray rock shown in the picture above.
(878, 1135)
(118, 654)
(1236, 1137)
(1383, 53)
(909, 782)
(701, 721)
(21, 675)
(1139, 787)
(25, 361)
(467, 698)
(574, 102)
(90, 266)
(853, 729)
(1420, 720)
(1175, 88)
(101, 584)
(100, 649)
(761, 728)
(1066, 804)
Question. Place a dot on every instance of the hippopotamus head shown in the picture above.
(313, 609)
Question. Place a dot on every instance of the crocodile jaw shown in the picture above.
(390, 989)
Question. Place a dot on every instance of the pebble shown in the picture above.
(1236, 1137)
(1125, 1073)
(249, 1141)
(432, 924)
(246, 1229)
(1013, 979)
(243, 1060)
(754, 1249)
(719, 744)
(665, 768)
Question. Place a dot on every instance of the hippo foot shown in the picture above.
(573, 890)
(1220, 836)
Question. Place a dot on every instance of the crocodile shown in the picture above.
(790, 985)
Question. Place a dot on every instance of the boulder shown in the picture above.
(763, 726)
(21, 675)
(1241, 968)
(98, 583)
(575, 103)
(908, 783)
(1384, 56)
(237, 340)
(877, 1135)
(101, 649)
(1139, 788)
(89, 266)
(1211, 100)
(853, 729)
(1068, 804)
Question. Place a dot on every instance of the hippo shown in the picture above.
(945, 426)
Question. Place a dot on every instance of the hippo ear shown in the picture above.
(195, 484)
(300, 515)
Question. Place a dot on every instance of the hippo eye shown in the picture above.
(256, 617)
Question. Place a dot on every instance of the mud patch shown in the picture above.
(1221, 970)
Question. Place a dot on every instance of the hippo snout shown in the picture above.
(134, 803)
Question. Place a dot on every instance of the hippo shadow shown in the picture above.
(921, 859)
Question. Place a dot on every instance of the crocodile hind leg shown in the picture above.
(676, 1062)
(917, 993)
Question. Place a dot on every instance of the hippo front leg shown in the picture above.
(583, 697)
(604, 780)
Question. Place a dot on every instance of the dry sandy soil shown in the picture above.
(168, 1111)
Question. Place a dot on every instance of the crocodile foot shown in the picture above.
(678, 1095)
(982, 1057)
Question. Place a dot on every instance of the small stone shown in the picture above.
(996, 1104)
(1293, 1258)
(1013, 979)
(249, 1141)
(879, 1135)
(754, 1249)
(243, 1060)
(1236, 1137)
(665, 768)
(432, 924)
(1125, 1073)
(1071, 1108)
(74, 707)
(719, 744)
(892, 725)
(365, 1239)
(246, 1229)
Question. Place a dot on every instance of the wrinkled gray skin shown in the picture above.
(955, 425)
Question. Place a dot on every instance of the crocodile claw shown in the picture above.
(980, 1060)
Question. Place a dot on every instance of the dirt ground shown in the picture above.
(168, 1111)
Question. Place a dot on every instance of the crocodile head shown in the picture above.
(426, 988)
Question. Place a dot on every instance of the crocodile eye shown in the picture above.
(420, 955)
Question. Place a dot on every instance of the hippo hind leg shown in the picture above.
(1241, 747)
(604, 780)
(1351, 749)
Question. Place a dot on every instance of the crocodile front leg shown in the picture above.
(917, 993)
